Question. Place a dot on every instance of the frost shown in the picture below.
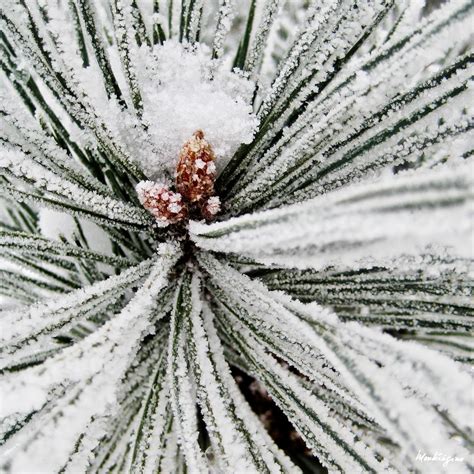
(213, 205)
(389, 377)
(187, 91)
(364, 224)
(100, 361)
(330, 142)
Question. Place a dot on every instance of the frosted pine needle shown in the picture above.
(234, 236)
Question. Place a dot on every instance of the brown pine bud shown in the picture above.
(196, 170)
(211, 207)
(166, 206)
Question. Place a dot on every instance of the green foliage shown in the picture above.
(337, 277)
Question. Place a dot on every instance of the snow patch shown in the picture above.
(54, 224)
(186, 90)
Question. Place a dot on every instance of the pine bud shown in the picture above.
(166, 206)
(211, 207)
(196, 171)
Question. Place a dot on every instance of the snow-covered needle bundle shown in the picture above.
(236, 236)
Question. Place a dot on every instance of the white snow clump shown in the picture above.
(185, 91)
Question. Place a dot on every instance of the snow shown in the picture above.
(213, 205)
(186, 91)
(318, 206)
(53, 224)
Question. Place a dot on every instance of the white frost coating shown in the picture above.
(29, 331)
(225, 425)
(322, 432)
(338, 112)
(185, 91)
(157, 437)
(223, 431)
(20, 166)
(223, 26)
(398, 392)
(94, 366)
(423, 292)
(360, 224)
(267, 15)
(263, 442)
(358, 92)
(182, 386)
